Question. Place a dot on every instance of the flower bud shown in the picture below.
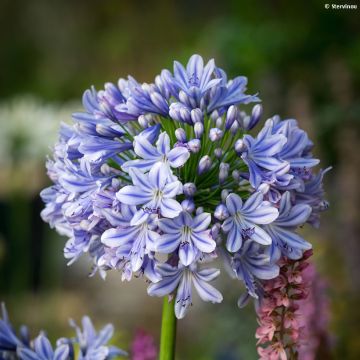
(188, 205)
(224, 172)
(239, 146)
(234, 127)
(224, 195)
(221, 212)
(215, 134)
(198, 129)
(194, 145)
(196, 115)
(143, 121)
(236, 175)
(178, 111)
(219, 122)
(218, 153)
(231, 116)
(263, 188)
(180, 135)
(204, 164)
(214, 115)
(215, 229)
(255, 116)
(189, 189)
(199, 210)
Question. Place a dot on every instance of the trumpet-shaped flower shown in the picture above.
(180, 280)
(285, 240)
(151, 155)
(243, 222)
(190, 235)
(154, 191)
(131, 242)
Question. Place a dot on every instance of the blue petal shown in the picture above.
(234, 239)
(168, 243)
(233, 203)
(144, 149)
(165, 286)
(203, 241)
(178, 156)
(163, 143)
(170, 208)
(201, 222)
(132, 195)
(187, 253)
(206, 291)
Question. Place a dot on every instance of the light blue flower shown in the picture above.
(151, 155)
(93, 344)
(243, 222)
(153, 190)
(229, 93)
(190, 235)
(180, 280)
(285, 240)
(253, 262)
(43, 350)
(261, 154)
(131, 242)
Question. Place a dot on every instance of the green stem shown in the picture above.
(168, 331)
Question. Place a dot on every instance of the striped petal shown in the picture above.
(168, 243)
(170, 208)
(165, 286)
(178, 156)
(119, 236)
(262, 215)
(144, 149)
(203, 241)
(234, 239)
(201, 222)
(206, 291)
(132, 195)
(187, 253)
(233, 203)
(163, 143)
(168, 226)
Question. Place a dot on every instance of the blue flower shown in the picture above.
(154, 191)
(253, 262)
(190, 235)
(181, 279)
(229, 93)
(313, 194)
(196, 79)
(131, 242)
(151, 155)
(93, 344)
(245, 218)
(43, 350)
(262, 156)
(281, 230)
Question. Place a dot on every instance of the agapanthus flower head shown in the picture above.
(92, 345)
(169, 170)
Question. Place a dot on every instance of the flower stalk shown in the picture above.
(168, 331)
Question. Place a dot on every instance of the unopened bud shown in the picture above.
(234, 127)
(215, 134)
(224, 172)
(204, 164)
(189, 189)
(197, 115)
(218, 153)
(224, 195)
(198, 129)
(188, 205)
(239, 146)
(231, 116)
(180, 135)
(194, 145)
(221, 212)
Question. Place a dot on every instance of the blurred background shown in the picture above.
(304, 61)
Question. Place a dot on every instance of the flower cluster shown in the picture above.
(173, 168)
(89, 344)
(292, 314)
